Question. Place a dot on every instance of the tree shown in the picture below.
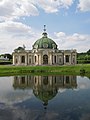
(88, 52)
(7, 55)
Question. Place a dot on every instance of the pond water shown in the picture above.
(44, 98)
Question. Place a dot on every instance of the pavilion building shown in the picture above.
(44, 52)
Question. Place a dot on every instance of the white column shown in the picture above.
(40, 79)
(19, 60)
(70, 61)
(50, 80)
(26, 59)
(64, 60)
(76, 58)
(13, 59)
(50, 60)
(53, 59)
(40, 60)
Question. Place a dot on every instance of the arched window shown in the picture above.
(35, 58)
(16, 60)
(73, 59)
(45, 59)
(55, 59)
(67, 58)
(55, 79)
(22, 80)
(45, 80)
(22, 59)
(35, 80)
(29, 60)
(67, 79)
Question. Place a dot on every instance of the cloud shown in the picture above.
(14, 34)
(9, 96)
(21, 8)
(83, 83)
(61, 90)
(60, 34)
(14, 10)
(84, 5)
(48, 6)
(53, 6)
(17, 8)
(74, 41)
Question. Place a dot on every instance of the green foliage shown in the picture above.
(5, 62)
(88, 52)
(7, 55)
(83, 58)
(41, 70)
(82, 70)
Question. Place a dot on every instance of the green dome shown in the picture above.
(45, 94)
(45, 43)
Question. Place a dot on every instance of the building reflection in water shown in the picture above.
(45, 87)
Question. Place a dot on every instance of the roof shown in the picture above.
(19, 49)
(45, 43)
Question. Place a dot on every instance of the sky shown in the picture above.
(22, 23)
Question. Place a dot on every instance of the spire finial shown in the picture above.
(44, 28)
(44, 33)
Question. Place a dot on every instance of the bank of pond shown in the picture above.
(82, 69)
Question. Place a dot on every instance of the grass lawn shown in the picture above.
(41, 70)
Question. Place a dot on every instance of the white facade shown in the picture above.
(44, 57)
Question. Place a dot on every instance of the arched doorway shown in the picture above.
(22, 59)
(45, 80)
(45, 59)
(67, 58)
